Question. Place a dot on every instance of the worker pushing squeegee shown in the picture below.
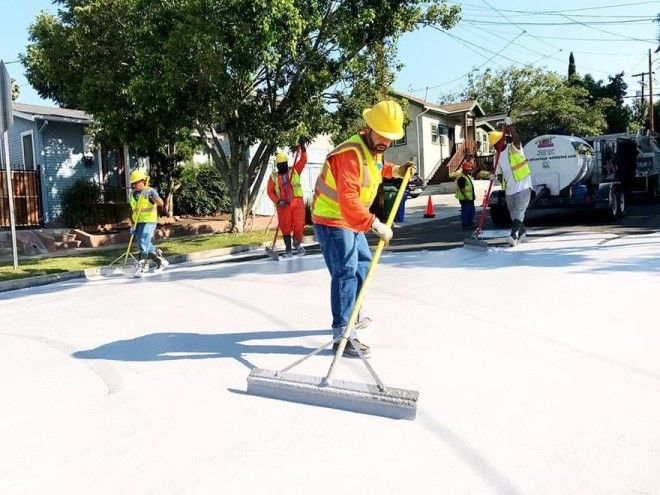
(345, 189)
(512, 168)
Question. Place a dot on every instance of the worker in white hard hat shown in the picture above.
(286, 193)
(144, 201)
(516, 175)
(344, 191)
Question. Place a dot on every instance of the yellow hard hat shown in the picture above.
(494, 137)
(281, 158)
(386, 119)
(136, 176)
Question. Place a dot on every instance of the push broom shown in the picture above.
(327, 391)
(475, 241)
(115, 268)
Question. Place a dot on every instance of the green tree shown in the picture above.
(242, 73)
(618, 115)
(15, 90)
(540, 101)
(571, 66)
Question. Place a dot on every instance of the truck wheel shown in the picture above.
(610, 214)
(500, 216)
(620, 203)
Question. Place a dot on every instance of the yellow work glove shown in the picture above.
(382, 230)
(400, 170)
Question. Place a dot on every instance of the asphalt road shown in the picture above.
(641, 218)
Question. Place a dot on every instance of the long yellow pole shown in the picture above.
(367, 280)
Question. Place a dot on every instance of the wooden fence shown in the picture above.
(27, 198)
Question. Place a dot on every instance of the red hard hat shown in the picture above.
(467, 166)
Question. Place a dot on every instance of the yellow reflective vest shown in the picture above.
(294, 177)
(326, 202)
(467, 194)
(148, 212)
(518, 163)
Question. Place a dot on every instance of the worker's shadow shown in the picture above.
(173, 346)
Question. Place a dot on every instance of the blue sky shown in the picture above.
(605, 40)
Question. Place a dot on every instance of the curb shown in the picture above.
(251, 251)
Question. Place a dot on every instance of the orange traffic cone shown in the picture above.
(429, 209)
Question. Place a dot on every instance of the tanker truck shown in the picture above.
(565, 175)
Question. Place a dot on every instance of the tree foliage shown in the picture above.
(240, 72)
(540, 101)
(618, 115)
(15, 90)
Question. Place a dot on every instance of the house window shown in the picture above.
(434, 134)
(28, 150)
(404, 140)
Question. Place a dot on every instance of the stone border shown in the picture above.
(253, 251)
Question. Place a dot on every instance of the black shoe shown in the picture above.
(350, 351)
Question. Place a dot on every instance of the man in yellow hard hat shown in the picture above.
(144, 201)
(285, 191)
(344, 191)
(516, 174)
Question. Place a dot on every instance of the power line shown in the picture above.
(475, 68)
(572, 23)
(511, 22)
(602, 30)
(581, 9)
(545, 56)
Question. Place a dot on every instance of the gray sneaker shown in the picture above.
(350, 351)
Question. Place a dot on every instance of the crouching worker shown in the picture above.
(345, 189)
(144, 203)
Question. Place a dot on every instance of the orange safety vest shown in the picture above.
(326, 203)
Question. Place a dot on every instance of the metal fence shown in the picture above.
(27, 198)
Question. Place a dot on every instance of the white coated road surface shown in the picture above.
(538, 371)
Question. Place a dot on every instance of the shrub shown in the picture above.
(82, 205)
(203, 192)
(483, 175)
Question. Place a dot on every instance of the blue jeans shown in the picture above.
(467, 214)
(347, 256)
(144, 232)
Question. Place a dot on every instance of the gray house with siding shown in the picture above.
(439, 136)
(54, 142)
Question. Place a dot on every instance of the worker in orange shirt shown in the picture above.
(344, 191)
(285, 191)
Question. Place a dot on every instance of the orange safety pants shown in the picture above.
(291, 219)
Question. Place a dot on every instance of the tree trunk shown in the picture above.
(168, 207)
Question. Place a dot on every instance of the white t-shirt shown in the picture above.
(512, 186)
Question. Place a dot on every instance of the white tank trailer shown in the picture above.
(593, 173)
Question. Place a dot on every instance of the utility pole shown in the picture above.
(643, 84)
(651, 112)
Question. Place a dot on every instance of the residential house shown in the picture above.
(50, 147)
(439, 136)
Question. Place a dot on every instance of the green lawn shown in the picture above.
(60, 264)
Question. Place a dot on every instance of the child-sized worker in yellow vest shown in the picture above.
(465, 194)
(144, 203)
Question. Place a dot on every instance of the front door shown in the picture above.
(113, 168)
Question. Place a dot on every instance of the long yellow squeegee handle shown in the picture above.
(372, 268)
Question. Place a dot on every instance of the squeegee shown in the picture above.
(327, 391)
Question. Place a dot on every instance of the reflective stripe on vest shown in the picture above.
(295, 184)
(469, 189)
(325, 203)
(518, 164)
(148, 210)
